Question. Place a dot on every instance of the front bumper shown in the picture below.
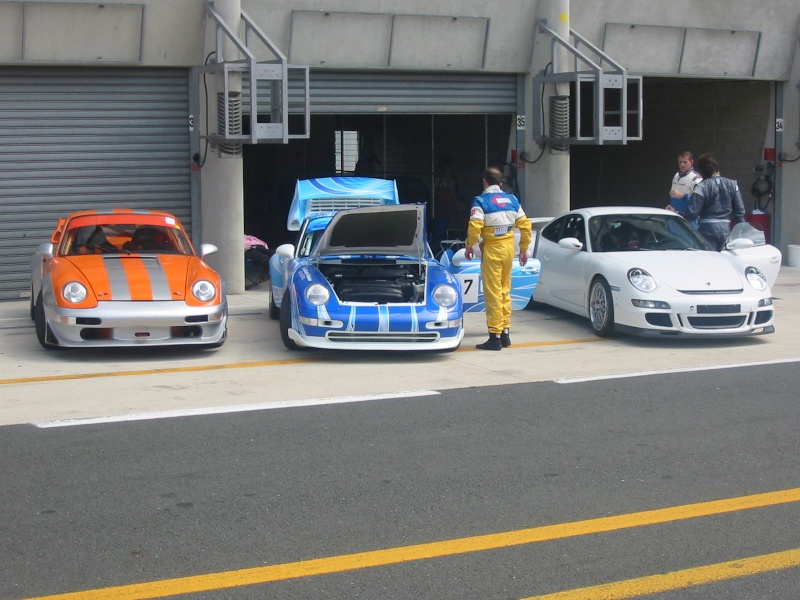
(126, 324)
(698, 316)
(378, 327)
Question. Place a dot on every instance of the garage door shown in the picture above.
(397, 92)
(74, 139)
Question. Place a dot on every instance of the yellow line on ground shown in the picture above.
(363, 560)
(241, 365)
(678, 580)
(542, 344)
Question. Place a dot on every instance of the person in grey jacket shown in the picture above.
(714, 201)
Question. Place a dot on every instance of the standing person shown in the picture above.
(683, 183)
(714, 201)
(493, 217)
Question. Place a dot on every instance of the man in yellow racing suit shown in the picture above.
(492, 220)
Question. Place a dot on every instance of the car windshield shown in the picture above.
(125, 238)
(633, 232)
(308, 236)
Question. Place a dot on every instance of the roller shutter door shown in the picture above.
(74, 139)
(399, 92)
(412, 93)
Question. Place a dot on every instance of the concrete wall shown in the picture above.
(725, 39)
(788, 173)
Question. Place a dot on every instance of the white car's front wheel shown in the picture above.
(601, 308)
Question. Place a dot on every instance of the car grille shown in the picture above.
(726, 322)
(367, 337)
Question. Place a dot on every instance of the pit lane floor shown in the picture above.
(254, 368)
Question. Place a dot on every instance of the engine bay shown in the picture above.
(376, 282)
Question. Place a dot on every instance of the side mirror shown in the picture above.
(459, 258)
(285, 250)
(45, 249)
(206, 249)
(570, 243)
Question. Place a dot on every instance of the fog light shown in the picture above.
(650, 304)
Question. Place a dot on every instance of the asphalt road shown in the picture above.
(93, 506)
(251, 472)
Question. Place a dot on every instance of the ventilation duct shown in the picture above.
(559, 124)
(229, 123)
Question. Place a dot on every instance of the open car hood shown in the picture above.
(330, 194)
(384, 230)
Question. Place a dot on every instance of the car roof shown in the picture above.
(595, 211)
(331, 194)
(119, 211)
(120, 217)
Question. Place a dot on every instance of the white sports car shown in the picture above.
(647, 271)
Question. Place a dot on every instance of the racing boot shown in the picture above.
(493, 343)
(505, 339)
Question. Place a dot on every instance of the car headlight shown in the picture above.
(756, 278)
(317, 294)
(74, 292)
(445, 295)
(204, 290)
(641, 280)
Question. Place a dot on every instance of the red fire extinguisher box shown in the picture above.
(761, 221)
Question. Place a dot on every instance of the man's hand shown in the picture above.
(523, 258)
(469, 253)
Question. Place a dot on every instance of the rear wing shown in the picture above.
(332, 194)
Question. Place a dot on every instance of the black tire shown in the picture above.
(601, 308)
(32, 306)
(40, 324)
(286, 322)
(274, 311)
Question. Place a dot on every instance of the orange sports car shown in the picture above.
(125, 278)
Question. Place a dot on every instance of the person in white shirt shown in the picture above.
(683, 183)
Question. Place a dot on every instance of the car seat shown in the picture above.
(146, 238)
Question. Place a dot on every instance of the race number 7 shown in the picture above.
(470, 287)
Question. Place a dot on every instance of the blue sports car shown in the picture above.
(468, 272)
(361, 278)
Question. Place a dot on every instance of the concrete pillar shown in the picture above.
(786, 225)
(222, 177)
(547, 181)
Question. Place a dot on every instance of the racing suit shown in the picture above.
(493, 217)
(684, 183)
(713, 201)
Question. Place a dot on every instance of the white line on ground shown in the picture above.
(676, 370)
(217, 410)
